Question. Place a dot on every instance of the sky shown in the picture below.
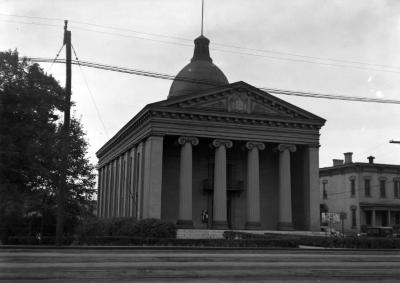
(274, 44)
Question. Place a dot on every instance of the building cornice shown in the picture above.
(359, 167)
(270, 120)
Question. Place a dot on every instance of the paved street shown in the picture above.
(138, 265)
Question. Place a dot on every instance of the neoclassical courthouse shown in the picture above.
(243, 157)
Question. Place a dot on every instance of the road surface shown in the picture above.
(208, 265)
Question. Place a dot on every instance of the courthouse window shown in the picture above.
(353, 187)
(396, 187)
(367, 187)
(382, 186)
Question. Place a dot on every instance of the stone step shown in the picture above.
(199, 234)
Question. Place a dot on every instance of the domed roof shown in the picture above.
(200, 74)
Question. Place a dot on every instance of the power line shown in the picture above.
(329, 96)
(171, 77)
(90, 92)
(30, 23)
(134, 36)
(215, 43)
(32, 17)
(100, 26)
(300, 58)
(55, 58)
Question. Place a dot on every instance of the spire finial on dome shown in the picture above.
(201, 50)
(202, 15)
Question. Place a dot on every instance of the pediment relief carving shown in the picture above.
(220, 104)
(237, 102)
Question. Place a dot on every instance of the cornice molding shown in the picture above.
(274, 121)
(234, 118)
(287, 115)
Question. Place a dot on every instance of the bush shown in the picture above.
(124, 227)
(154, 228)
(133, 241)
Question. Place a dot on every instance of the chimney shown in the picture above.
(371, 159)
(337, 162)
(348, 157)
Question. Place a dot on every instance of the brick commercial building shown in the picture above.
(232, 152)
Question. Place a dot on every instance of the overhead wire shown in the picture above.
(55, 58)
(171, 77)
(301, 58)
(30, 23)
(90, 92)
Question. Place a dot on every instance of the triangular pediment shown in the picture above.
(239, 97)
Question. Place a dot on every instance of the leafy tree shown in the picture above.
(30, 130)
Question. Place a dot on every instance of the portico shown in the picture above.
(251, 197)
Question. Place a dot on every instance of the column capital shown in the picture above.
(285, 146)
(257, 145)
(314, 145)
(183, 140)
(218, 143)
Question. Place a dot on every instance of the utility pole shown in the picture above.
(64, 142)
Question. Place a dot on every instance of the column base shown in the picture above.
(220, 225)
(184, 224)
(252, 225)
(285, 226)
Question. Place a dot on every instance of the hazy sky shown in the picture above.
(157, 35)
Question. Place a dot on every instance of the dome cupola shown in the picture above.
(200, 74)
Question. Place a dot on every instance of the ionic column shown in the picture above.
(118, 187)
(109, 189)
(127, 183)
(106, 198)
(185, 182)
(121, 186)
(253, 185)
(113, 189)
(285, 194)
(100, 189)
(219, 208)
(152, 183)
(388, 216)
(312, 193)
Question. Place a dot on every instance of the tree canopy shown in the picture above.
(31, 105)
